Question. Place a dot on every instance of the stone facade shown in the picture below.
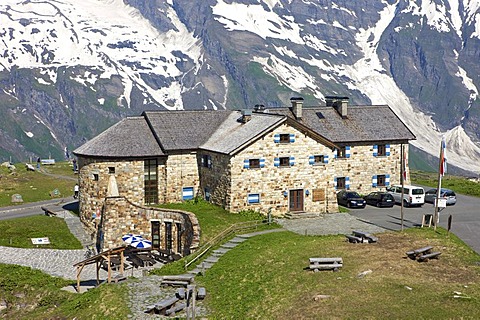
(362, 165)
(122, 217)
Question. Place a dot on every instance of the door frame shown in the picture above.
(291, 197)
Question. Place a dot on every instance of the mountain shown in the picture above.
(69, 69)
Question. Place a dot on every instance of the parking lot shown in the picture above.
(465, 218)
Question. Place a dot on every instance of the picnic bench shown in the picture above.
(423, 254)
(317, 264)
(49, 212)
(361, 237)
(162, 306)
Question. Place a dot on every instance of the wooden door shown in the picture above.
(296, 200)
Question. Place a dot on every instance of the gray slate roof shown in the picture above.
(184, 130)
(231, 135)
(363, 124)
(157, 133)
(130, 137)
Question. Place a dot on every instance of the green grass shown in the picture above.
(213, 219)
(457, 184)
(17, 232)
(264, 278)
(36, 186)
(41, 298)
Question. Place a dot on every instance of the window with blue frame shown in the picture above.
(381, 180)
(253, 198)
(284, 161)
(187, 193)
(381, 150)
(253, 163)
(284, 138)
(341, 183)
(318, 159)
(342, 152)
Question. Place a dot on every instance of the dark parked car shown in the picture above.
(350, 199)
(446, 194)
(380, 199)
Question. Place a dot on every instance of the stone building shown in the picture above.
(281, 160)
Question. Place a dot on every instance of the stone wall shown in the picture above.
(362, 165)
(273, 182)
(181, 171)
(123, 217)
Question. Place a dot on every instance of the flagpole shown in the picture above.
(402, 178)
(439, 185)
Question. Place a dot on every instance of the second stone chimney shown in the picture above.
(297, 105)
(339, 103)
(246, 116)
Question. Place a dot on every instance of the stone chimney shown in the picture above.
(339, 103)
(259, 108)
(246, 116)
(297, 105)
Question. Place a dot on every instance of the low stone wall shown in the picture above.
(120, 217)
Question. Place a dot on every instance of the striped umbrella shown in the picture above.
(129, 238)
(141, 244)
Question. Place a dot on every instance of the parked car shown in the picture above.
(350, 199)
(380, 199)
(447, 194)
(412, 195)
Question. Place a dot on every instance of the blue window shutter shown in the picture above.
(335, 153)
(292, 161)
(203, 161)
(347, 152)
(387, 150)
(374, 181)
(311, 159)
(187, 193)
(262, 162)
(347, 183)
(292, 137)
(325, 159)
(387, 180)
(253, 198)
(276, 138)
(335, 182)
(375, 150)
(209, 161)
(246, 164)
(276, 162)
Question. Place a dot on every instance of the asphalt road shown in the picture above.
(31, 209)
(465, 218)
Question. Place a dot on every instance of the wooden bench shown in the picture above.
(413, 254)
(49, 212)
(353, 239)
(426, 257)
(162, 306)
(317, 264)
(366, 237)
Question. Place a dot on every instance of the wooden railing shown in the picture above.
(234, 228)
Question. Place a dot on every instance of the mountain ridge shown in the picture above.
(69, 70)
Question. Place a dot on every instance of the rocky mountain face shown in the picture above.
(69, 69)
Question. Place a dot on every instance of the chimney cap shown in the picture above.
(337, 97)
(246, 112)
(296, 99)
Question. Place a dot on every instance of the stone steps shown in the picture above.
(301, 215)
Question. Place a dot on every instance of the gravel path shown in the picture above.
(332, 223)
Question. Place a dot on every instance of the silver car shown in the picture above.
(447, 194)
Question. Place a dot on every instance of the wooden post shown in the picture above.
(439, 187)
(122, 269)
(402, 178)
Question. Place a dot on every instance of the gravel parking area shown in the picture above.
(331, 223)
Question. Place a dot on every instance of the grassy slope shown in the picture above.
(458, 184)
(35, 186)
(264, 278)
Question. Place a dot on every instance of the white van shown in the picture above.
(412, 195)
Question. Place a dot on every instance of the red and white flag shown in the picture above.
(443, 158)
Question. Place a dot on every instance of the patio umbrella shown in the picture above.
(141, 244)
(129, 238)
